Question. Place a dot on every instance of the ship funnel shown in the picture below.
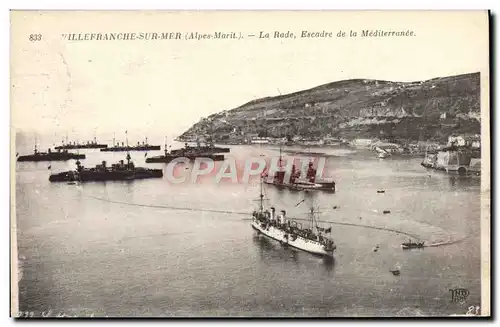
(273, 211)
(283, 216)
(104, 163)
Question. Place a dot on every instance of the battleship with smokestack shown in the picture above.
(189, 153)
(297, 182)
(117, 172)
(144, 146)
(290, 232)
(50, 155)
(76, 145)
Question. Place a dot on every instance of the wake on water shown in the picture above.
(396, 231)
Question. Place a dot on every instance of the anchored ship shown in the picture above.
(190, 153)
(454, 159)
(292, 233)
(297, 183)
(50, 156)
(144, 146)
(209, 148)
(75, 145)
(119, 171)
(412, 245)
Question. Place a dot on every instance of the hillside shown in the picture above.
(356, 108)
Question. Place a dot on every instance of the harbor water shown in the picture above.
(153, 248)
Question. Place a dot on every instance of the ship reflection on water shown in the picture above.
(463, 181)
(273, 251)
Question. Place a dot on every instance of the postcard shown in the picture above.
(250, 164)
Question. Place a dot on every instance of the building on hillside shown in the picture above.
(473, 141)
(457, 140)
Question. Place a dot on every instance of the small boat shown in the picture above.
(412, 245)
(395, 272)
(380, 191)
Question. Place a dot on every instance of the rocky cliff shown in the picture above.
(423, 110)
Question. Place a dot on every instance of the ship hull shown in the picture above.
(328, 187)
(202, 150)
(82, 146)
(51, 157)
(167, 159)
(137, 148)
(299, 243)
(95, 176)
(406, 247)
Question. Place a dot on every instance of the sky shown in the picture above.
(79, 88)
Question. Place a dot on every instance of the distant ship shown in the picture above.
(187, 152)
(454, 159)
(210, 148)
(412, 245)
(144, 146)
(117, 172)
(298, 183)
(290, 232)
(50, 156)
(89, 145)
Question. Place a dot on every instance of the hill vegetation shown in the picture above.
(357, 108)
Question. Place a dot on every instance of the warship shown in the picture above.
(75, 145)
(289, 232)
(50, 156)
(190, 153)
(117, 172)
(144, 146)
(298, 183)
(209, 148)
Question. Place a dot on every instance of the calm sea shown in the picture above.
(150, 248)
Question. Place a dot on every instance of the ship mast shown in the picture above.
(166, 151)
(261, 195)
(114, 135)
(313, 222)
(128, 153)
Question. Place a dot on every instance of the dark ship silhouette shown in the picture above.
(298, 183)
(210, 148)
(50, 156)
(144, 146)
(187, 152)
(89, 145)
(117, 172)
(412, 245)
